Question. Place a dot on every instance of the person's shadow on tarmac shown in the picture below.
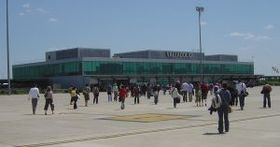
(211, 134)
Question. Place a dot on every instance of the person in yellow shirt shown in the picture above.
(74, 96)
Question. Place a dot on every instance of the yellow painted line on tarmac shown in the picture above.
(140, 132)
(148, 117)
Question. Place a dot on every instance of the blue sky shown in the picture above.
(247, 28)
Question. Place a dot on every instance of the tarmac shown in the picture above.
(144, 124)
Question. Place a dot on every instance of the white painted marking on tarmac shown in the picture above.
(81, 145)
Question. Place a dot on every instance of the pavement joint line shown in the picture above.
(257, 117)
(140, 132)
(149, 117)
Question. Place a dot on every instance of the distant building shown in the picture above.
(79, 66)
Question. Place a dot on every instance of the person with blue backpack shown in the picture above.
(223, 110)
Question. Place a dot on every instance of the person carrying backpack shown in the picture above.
(223, 110)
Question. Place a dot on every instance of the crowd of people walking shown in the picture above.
(224, 95)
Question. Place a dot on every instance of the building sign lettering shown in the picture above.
(178, 54)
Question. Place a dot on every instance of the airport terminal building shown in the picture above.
(80, 66)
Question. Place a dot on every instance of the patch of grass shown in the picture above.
(270, 82)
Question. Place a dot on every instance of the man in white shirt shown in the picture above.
(184, 90)
(190, 91)
(175, 95)
(34, 95)
(241, 88)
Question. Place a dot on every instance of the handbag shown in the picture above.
(229, 109)
(177, 100)
(244, 93)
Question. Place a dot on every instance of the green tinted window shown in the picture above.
(126, 68)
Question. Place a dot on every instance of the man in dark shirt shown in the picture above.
(223, 110)
(266, 95)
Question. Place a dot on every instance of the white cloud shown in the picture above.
(246, 48)
(21, 14)
(41, 10)
(262, 38)
(269, 27)
(52, 19)
(26, 6)
(28, 10)
(236, 34)
(204, 23)
(249, 36)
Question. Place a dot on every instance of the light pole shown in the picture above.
(8, 46)
(199, 10)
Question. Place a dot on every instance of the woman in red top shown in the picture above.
(204, 91)
(122, 94)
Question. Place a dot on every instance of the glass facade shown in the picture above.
(155, 68)
(125, 68)
(30, 72)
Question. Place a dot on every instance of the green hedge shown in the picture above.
(270, 82)
(25, 91)
(14, 91)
